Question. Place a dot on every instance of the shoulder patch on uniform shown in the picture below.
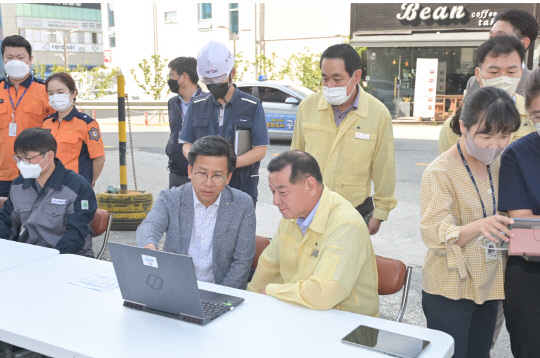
(85, 117)
(94, 134)
(248, 100)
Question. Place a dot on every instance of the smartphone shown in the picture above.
(390, 343)
(525, 224)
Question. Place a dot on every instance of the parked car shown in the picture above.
(280, 100)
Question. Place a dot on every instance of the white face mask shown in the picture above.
(509, 84)
(537, 126)
(337, 95)
(484, 155)
(17, 69)
(31, 171)
(60, 102)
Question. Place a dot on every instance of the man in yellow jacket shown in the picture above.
(321, 255)
(499, 65)
(349, 132)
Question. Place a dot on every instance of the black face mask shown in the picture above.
(219, 90)
(173, 85)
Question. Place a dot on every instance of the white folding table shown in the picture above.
(46, 314)
(13, 253)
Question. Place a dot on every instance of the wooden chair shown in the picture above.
(102, 224)
(260, 244)
(393, 276)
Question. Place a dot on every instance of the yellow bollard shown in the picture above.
(122, 132)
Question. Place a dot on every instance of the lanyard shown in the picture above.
(476, 186)
(11, 100)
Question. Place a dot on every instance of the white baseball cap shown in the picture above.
(214, 62)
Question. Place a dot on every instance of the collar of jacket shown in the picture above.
(56, 179)
(323, 212)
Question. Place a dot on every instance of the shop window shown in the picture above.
(112, 41)
(171, 17)
(87, 37)
(94, 38)
(390, 74)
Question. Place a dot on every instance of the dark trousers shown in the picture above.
(5, 186)
(470, 324)
(522, 306)
(177, 180)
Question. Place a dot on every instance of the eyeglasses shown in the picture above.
(25, 160)
(216, 179)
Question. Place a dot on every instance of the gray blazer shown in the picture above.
(473, 84)
(234, 233)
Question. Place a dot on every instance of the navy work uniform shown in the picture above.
(58, 215)
(178, 164)
(242, 112)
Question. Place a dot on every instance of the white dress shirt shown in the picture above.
(200, 247)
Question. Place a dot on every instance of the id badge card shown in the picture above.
(490, 250)
(13, 129)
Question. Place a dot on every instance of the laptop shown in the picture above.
(165, 284)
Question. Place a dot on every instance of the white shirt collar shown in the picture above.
(196, 200)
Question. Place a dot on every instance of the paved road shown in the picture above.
(399, 237)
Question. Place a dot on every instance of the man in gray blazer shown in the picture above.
(206, 219)
(517, 23)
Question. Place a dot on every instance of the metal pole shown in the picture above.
(234, 44)
(398, 87)
(122, 133)
(156, 49)
(66, 52)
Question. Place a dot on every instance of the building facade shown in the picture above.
(175, 29)
(57, 31)
(396, 35)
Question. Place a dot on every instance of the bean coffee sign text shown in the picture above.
(410, 11)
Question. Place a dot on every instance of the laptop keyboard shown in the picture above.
(213, 309)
